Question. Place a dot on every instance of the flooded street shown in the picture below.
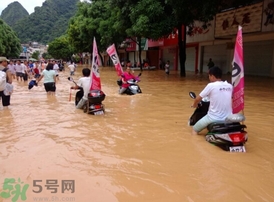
(141, 150)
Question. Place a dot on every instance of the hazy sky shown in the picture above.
(29, 5)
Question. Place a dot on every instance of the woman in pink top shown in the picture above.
(127, 75)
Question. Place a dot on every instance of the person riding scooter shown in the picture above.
(220, 95)
(127, 75)
(84, 83)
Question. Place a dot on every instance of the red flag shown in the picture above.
(95, 81)
(238, 74)
(115, 59)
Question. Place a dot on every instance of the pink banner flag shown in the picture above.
(115, 59)
(238, 74)
(95, 81)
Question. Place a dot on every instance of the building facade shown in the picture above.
(216, 40)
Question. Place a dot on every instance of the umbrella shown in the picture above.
(32, 59)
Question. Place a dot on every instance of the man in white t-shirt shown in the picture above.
(56, 69)
(84, 83)
(11, 67)
(72, 69)
(18, 70)
(220, 95)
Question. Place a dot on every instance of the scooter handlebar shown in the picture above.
(79, 88)
(199, 105)
(137, 79)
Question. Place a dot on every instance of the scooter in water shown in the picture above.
(230, 135)
(94, 104)
(133, 87)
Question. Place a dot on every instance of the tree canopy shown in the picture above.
(110, 24)
(112, 21)
(97, 19)
(9, 43)
(60, 48)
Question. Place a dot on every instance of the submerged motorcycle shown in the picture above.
(94, 104)
(230, 135)
(133, 87)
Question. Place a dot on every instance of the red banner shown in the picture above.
(238, 74)
(115, 59)
(95, 75)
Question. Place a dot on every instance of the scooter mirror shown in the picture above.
(70, 78)
(192, 95)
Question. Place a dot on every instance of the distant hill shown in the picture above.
(13, 13)
(47, 22)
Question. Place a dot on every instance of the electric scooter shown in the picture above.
(133, 87)
(94, 104)
(230, 135)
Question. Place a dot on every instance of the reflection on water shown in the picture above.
(141, 149)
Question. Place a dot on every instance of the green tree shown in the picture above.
(145, 19)
(60, 48)
(110, 24)
(112, 21)
(157, 18)
(46, 56)
(9, 43)
(185, 12)
(97, 19)
(35, 55)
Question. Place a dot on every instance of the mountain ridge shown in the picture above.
(13, 13)
(46, 22)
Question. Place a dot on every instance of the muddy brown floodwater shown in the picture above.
(141, 150)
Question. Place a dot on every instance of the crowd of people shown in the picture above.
(23, 70)
(33, 71)
(127, 63)
(219, 92)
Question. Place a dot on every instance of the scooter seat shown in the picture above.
(225, 127)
